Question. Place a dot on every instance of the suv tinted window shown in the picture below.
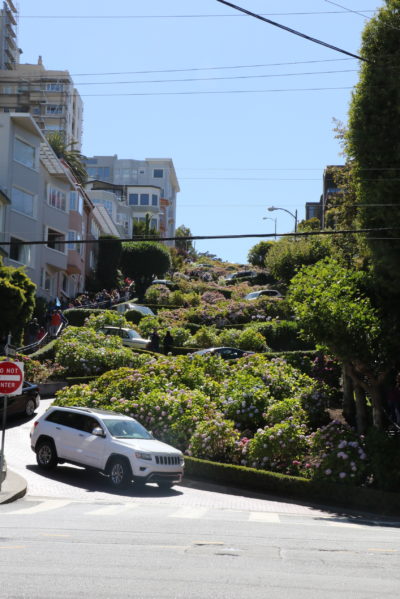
(70, 419)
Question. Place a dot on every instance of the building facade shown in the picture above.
(49, 96)
(147, 186)
(41, 201)
(9, 51)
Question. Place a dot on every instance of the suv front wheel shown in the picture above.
(120, 473)
(46, 455)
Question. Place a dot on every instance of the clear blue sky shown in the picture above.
(235, 153)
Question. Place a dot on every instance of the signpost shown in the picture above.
(11, 382)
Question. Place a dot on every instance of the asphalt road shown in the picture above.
(71, 536)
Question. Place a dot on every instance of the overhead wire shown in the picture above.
(184, 16)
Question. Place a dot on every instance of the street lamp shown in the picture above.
(270, 218)
(271, 208)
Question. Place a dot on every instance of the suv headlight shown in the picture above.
(143, 456)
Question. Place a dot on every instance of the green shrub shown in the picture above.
(133, 316)
(280, 411)
(204, 337)
(339, 455)
(229, 337)
(251, 340)
(214, 440)
(384, 459)
(107, 317)
(282, 335)
(77, 316)
(281, 447)
(47, 352)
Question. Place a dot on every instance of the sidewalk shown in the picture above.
(12, 488)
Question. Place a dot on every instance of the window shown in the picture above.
(158, 173)
(64, 282)
(54, 87)
(54, 109)
(45, 280)
(154, 200)
(76, 201)
(19, 252)
(49, 127)
(24, 153)
(57, 198)
(91, 161)
(22, 201)
(8, 89)
(94, 229)
(73, 237)
(153, 223)
(133, 199)
(144, 199)
(55, 240)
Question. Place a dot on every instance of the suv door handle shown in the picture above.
(81, 435)
(58, 428)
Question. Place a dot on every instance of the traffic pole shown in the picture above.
(5, 398)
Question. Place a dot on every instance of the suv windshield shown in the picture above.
(133, 334)
(126, 429)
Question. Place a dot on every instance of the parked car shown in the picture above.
(26, 403)
(121, 308)
(241, 274)
(109, 442)
(129, 337)
(226, 353)
(166, 282)
(268, 292)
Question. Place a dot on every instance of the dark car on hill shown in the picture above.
(26, 403)
(226, 353)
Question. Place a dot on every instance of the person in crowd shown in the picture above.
(168, 343)
(32, 331)
(154, 344)
(40, 334)
(57, 319)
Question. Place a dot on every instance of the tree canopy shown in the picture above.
(17, 300)
(142, 261)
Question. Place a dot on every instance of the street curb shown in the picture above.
(13, 487)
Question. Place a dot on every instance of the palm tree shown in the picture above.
(73, 158)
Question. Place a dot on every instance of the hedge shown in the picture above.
(345, 496)
(47, 352)
(282, 335)
(77, 316)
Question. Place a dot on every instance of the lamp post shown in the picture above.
(270, 218)
(271, 208)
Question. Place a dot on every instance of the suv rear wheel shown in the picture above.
(120, 473)
(30, 407)
(46, 455)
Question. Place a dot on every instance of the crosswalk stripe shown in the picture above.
(45, 506)
(263, 517)
(110, 510)
(189, 512)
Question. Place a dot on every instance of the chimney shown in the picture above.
(40, 61)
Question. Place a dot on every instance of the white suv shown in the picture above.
(111, 443)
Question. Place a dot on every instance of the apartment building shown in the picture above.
(41, 201)
(9, 51)
(48, 95)
(147, 186)
(330, 190)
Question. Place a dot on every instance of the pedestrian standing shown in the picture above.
(168, 343)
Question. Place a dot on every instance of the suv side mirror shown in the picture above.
(98, 431)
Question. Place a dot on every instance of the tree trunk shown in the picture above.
(377, 405)
(349, 406)
(361, 410)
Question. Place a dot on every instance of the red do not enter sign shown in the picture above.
(11, 377)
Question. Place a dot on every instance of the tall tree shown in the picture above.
(142, 261)
(258, 252)
(17, 300)
(108, 260)
(373, 142)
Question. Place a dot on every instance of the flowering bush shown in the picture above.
(37, 372)
(285, 409)
(82, 351)
(251, 340)
(338, 454)
(245, 398)
(157, 294)
(204, 337)
(281, 447)
(212, 297)
(214, 439)
(229, 337)
(108, 317)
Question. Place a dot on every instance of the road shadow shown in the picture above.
(14, 420)
(95, 482)
(341, 515)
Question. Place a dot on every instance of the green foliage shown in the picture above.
(106, 317)
(338, 455)
(333, 310)
(73, 158)
(251, 340)
(257, 253)
(282, 335)
(384, 457)
(284, 410)
(280, 447)
(142, 261)
(204, 337)
(17, 300)
(289, 255)
(373, 142)
(214, 440)
(77, 316)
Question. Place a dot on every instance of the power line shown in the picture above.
(290, 30)
(204, 237)
(232, 91)
(187, 16)
(220, 68)
(264, 76)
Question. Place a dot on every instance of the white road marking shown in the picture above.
(45, 506)
(111, 510)
(189, 512)
(263, 517)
